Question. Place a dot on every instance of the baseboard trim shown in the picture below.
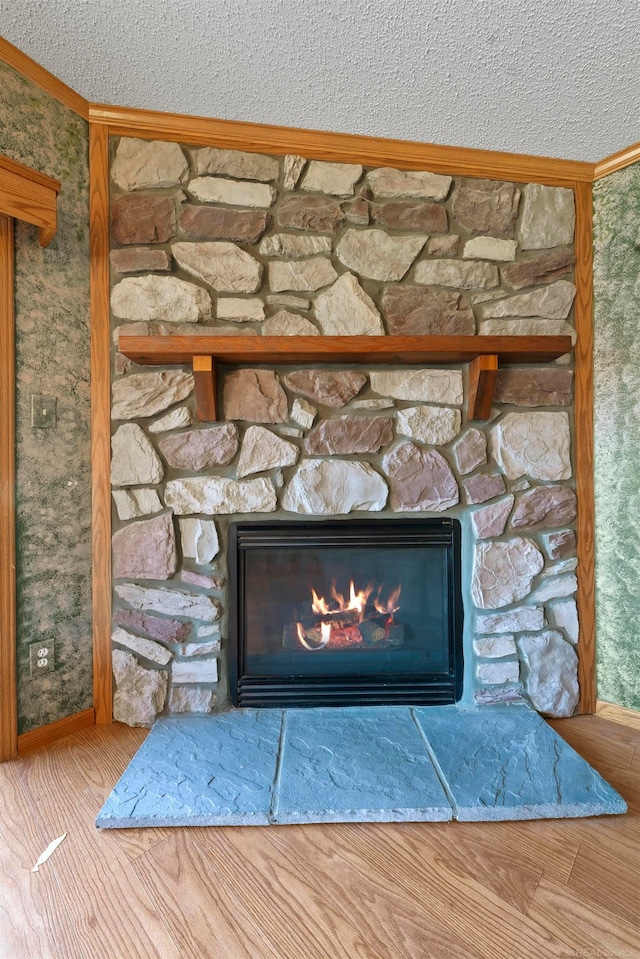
(618, 714)
(53, 731)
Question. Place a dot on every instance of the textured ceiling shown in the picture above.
(549, 77)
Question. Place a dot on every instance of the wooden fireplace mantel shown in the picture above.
(483, 353)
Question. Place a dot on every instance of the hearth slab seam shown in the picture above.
(275, 793)
(436, 765)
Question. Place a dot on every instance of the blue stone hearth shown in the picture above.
(256, 767)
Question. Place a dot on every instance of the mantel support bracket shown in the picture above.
(482, 380)
(204, 374)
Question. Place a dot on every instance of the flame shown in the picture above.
(325, 632)
(357, 600)
(391, 606)
(318, 605)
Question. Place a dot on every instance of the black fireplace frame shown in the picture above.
(295, 691)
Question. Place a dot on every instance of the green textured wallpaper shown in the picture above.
(52, 352)
(617, 434)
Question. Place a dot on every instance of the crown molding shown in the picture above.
(338, 147)
(28, 68)
(617, 161)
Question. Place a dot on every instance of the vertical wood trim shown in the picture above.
(584, 447)
(100, 420)
(8, 669)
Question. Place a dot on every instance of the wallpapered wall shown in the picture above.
(617, 434)
(53, 465)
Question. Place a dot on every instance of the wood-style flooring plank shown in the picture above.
(617, 889)
(472, 912)
(331, 906)
(94, 872)
(599, 740)
(490, 855)
(297, 917)
(32, 906)
(618, 714)
(533, 842)
(589, 929)
(202, 914)
(383, 916)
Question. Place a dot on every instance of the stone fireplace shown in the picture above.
(229, 243)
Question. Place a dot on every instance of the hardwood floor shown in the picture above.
(380, 891)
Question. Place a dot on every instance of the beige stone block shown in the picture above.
(215, 495)
(387, 182)
(134, 461)
(377, 255)
(212, 189)
(142, 164)
(163, 299)
(346, 310)
(301, 275)
(336, 179)
(224, 266)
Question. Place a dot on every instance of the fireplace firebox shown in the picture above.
(342, 613)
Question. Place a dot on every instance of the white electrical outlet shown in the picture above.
(41, 657)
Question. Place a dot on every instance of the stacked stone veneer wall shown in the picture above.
(225, 242)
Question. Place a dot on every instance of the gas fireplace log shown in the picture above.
(375, 635)
(338, 618)
(366, 635)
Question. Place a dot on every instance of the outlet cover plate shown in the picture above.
(41, 657)
(43, 412)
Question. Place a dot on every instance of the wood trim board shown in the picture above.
(617, 161)
(583, 426)
(29, 195)
(100, 420)
(398, 350)
(45, 735)
(8, 665)
(339, 147)
(618, 714)
(46, 81)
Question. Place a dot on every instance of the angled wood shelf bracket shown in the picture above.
(483, 372)
(204, 375)
(482, 352)
(28, 195)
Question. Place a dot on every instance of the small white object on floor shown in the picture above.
(50, 848)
